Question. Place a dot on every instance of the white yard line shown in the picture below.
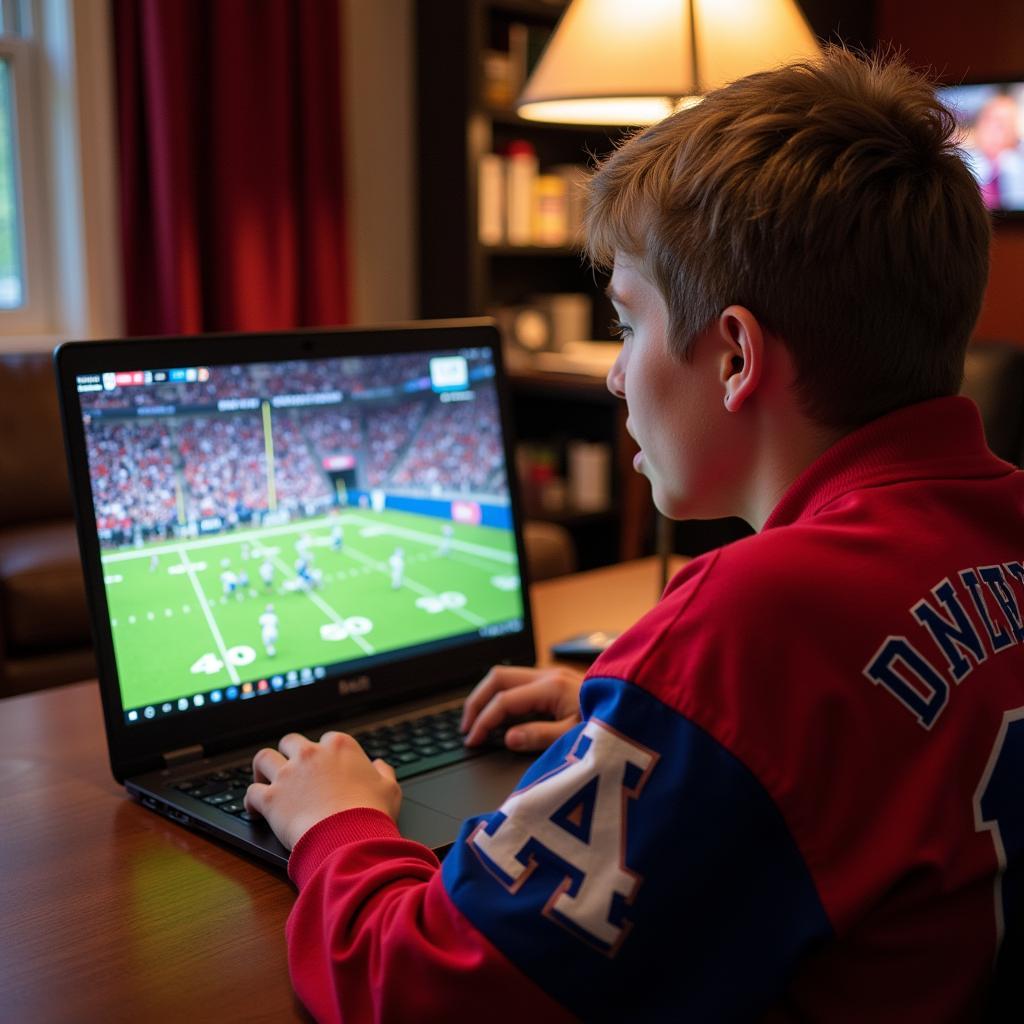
(232, 672)
(258, 533)
(474, 562)
(325, 607)
(473, 620)
(508, 557)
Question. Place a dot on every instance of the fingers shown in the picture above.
(532, 736)
(385, 769)
(501, 677)
(266, 764)
(337, 741)
(292, 779)
(293, 744)
(256, 798)
(542, 696)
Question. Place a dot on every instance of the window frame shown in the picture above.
(34, 315)
(68, 103)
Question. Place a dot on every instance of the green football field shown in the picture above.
(177, 633)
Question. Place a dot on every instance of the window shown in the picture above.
(24, 242)
(59, 241)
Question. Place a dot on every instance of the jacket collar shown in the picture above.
(942, 437)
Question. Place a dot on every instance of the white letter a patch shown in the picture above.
(578, 814)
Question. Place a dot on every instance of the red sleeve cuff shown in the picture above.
(318, 842)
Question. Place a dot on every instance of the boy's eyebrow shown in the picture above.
(613, 295)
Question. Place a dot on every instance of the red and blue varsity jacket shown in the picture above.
(793, 795)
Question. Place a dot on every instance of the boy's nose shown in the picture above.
(616, 378)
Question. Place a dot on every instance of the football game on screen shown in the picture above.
(262, 524)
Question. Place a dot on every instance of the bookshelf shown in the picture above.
(463, 118)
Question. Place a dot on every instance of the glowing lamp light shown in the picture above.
(633, 62)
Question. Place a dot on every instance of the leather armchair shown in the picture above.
(44, 628)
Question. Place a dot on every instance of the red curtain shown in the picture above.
(232, 185)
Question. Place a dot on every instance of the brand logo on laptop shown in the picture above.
(357, 684)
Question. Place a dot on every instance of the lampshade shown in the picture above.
(634, 61)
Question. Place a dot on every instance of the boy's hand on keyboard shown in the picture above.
(516, 693)
(303, 782)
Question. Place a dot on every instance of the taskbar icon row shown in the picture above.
(236, 691)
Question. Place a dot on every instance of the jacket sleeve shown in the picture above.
(374, 937)
(638, 872)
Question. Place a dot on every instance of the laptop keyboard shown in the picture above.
(411, 747)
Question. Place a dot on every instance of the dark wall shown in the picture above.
(971, 42)
(849, 21)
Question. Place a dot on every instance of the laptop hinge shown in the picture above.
(172, 758)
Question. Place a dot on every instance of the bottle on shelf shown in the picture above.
(518, 205)
(550, 210)
(575, 177)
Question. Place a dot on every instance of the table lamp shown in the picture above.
(633, 62)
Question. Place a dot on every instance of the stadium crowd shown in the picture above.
(298, 481)
(457, 448)
(217, 463)
(332, 432)
(224, 465)
(133, 481)
(388, 432)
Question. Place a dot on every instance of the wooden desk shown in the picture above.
(111, 913)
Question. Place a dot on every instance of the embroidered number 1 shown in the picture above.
(999, 810)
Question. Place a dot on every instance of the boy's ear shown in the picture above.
(742, 359)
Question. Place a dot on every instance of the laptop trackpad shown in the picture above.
(472, 787)
(427, 826)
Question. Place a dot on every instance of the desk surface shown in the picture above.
(111, 913)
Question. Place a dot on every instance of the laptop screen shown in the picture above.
(266, 526)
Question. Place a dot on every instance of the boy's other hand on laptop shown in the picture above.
(303, 782)
(513, 692)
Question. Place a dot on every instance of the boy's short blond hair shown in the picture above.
(830, 199)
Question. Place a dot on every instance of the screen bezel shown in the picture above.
(1000, 214)
(140, 746)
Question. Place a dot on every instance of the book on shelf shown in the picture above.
(491, 199)
(518, 205)
(505, 71)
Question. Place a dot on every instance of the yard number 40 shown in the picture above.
(209, 664)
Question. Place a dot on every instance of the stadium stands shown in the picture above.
(149, 473)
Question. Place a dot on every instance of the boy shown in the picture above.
(788, 792)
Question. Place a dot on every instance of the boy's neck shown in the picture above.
(781, 440)
(783, 455)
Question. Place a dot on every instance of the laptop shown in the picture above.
(297, 531)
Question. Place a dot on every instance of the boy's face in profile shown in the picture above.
(676, 410)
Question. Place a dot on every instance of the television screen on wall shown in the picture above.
(990, 117)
